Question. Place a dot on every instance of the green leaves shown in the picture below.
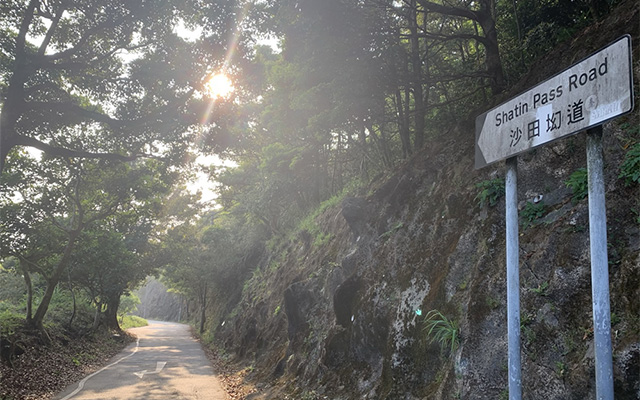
(109, 79)
(578, 183)
(531, 212)
(442, 330)
(630, 168)
(490, 192)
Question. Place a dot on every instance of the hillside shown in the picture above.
(338, 311)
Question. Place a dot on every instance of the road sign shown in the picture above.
(588, 93)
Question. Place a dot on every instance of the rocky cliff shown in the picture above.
(157, 303)
(340, 312)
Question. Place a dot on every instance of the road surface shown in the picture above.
(165, 363)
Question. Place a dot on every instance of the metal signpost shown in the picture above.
(582, 97)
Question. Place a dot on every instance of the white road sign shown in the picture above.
(586, 94)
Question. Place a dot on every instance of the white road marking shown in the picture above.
(82, 382)
(159, 366)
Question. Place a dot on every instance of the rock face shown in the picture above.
(157, 303)
(346, 319)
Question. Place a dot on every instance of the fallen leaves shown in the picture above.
(43, 371)
(233, 379)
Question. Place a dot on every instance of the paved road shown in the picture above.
(165, 363)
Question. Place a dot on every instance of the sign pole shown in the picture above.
(513, 278)
(599, 266)
(581, 97)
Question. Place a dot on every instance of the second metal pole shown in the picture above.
(599, 266)
(513, 279)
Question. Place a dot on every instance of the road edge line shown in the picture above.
(82, 382)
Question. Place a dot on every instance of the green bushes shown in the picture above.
(10, 321)
(132, 321)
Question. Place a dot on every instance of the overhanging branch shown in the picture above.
(56, 151)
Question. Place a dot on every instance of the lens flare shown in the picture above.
(219, 86)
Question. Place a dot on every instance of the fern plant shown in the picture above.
(443, 330)
(578, 183)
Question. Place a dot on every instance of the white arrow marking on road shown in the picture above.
(159, 367)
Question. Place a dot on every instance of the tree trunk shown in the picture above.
(52, 282)
(15, 91)
(97, 317)
(363, 161)
(29, 285)
(405, 135)
(416, 73)
(111, 314)
(203, 309)
(492, 61)
(73, 298)
(486, 18)
(382, 143)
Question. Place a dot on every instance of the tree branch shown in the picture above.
(448, 10)
(50, 31)
(33, 266)
(444, 38)
(449, 78)
(24, 28)
(70, 108)
(55, 151)
(84, 39)
(446, 103)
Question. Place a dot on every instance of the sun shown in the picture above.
(219, 86)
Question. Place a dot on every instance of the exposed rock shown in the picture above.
(354, 211)
(157, 303)
(354, 326)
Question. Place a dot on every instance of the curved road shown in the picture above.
(165, 363)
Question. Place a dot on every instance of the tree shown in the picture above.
(185, 267)
(482, 12)
(103, 266)
(47, 205)
(107, 79)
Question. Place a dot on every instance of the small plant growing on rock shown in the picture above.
(561, 369)
(630, 168)
(578, 184)
(490, 192)
(541, 289)
(442, 330)
(531, 212)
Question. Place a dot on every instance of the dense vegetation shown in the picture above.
(112, 95)
(355, 88)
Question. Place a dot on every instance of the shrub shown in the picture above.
(531, 212)
(490, 193)
(10, 321)
(132, 321)
(128, 304)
